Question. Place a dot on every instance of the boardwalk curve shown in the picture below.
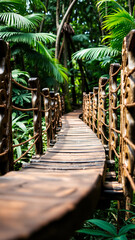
(50, 197)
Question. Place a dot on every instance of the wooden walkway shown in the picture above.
(49, 198)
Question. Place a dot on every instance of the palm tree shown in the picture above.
(21, 31)
(117, 24)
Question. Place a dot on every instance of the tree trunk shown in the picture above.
(57, 14)
(80, 67)
(72, 75)
(131, 6)
(60, 28)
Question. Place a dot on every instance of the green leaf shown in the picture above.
(18, 149)
(122, 237)
(104, 225)
(16, 73)
(126, 228)
(94, 232)
(22, 126)
(14, 119)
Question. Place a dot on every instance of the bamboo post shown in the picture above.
(52, 115)
(63, 104)
(87, 109)
(36, 103)
(46, 100)
(101, 109)
(84, 106)
(6, 152)
(60, 111)
(90, 108)
(113, 136)
(56, 111)
(95, 108)
(128, 113)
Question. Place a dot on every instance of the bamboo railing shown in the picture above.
(53, 108)
(110, 113)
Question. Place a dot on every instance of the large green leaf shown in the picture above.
(126, 228)
(94, 232)
(108, 227)
(21, 126)
(18, 149)
(122, 237)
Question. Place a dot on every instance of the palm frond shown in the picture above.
(95, 53)
(35, 18)
(16, 20)
(9, 5)
(118, 24)
(57, 69)
(120, 17)
(81, 37)
(108, 5)
(28, 38)
(48, 64)
(39, 4)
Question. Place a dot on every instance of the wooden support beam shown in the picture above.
(52, 115)
(46, 100)
(113, 136)
(36, 103)
(6, 152)
(128, 114)
(95, 109)
(90, 109)
(101, 109)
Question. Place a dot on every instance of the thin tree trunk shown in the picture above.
(41, 25)
(60, 28)
(80, 67)
(61, 50)
(72, 75)
(131, 6)
(42, 22)
(65, 49)
(57, 14)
